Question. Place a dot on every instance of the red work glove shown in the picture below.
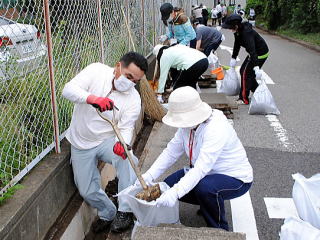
(118, 149)
(102, 103)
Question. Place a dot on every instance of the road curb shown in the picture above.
(301, 42)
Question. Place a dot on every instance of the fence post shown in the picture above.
(154, 24)
(143, 29)
(51, 76)
(126, 10)
(100, 31)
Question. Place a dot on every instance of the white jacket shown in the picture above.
(87, 128)
(216, 150)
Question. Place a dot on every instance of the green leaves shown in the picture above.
(300, 15)
(9, 193)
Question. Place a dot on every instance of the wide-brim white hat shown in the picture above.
(186, 109)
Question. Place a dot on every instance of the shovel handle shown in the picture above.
(118, 134)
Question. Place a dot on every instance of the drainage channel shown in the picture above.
(65, 218)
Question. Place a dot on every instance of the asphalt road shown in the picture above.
(278, 147)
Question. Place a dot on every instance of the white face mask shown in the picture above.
(170, 18)
(123, 84)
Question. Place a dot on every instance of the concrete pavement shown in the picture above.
(277, 147)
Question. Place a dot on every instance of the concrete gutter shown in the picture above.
(301, 42)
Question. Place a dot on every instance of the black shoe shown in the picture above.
(199, 212)
(122, 221)
(100, 225)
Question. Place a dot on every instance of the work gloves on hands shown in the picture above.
(163, 38)
(233, 62)
(102, 103)
(258, 72)
(159, 98)
(118, 149)
(147, 178)
(168, 198)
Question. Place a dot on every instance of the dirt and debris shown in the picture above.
(152, 193)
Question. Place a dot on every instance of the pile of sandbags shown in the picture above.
(306, 197)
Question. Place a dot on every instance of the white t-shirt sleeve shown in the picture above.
(168, 157)
(77, 90)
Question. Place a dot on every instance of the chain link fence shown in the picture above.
(82, 32)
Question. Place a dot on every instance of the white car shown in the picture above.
(21, 49)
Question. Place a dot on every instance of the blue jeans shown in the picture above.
(88, 180)
(210, 194)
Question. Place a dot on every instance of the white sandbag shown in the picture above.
(262, 101)
(297, 229)
(213, 61)
(252, 22)
(230, 84)
(147, 213)
(306, 197)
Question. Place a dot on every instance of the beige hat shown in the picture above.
(156, 49)
(186, 109)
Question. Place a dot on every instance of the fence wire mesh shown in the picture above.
(26, 118)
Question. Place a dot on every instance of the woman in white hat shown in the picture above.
(218, 168)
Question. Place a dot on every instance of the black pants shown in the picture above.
(248, 78)
(219, 15)
(205, 21)
(193, 43)
(190, 76)
(210, 193)
(200, 19)
(211, 47)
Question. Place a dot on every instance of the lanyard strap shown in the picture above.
(191, 138)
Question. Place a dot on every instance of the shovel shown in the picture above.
(148, 193)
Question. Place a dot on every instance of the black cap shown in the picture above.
(195, 21)
(231, 21)
(166, 9)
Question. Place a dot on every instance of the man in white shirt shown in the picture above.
(101, 87)
(218, 168)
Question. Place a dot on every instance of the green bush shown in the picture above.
(302, 16)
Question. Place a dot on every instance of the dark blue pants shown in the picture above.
(210, 194)
(212, 47)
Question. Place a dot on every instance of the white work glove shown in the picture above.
(147, 178)
(258, 72)
(168, 198)
(159, 98)
(173, 41)
(162, 38)
(233, 62)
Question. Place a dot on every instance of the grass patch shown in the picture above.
(9, 193)
(313, 38)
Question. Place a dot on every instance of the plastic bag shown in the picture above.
(230, 84)
(213, 61)
(297, 229)
(147, 213)
(262, 101)
(306, 197)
